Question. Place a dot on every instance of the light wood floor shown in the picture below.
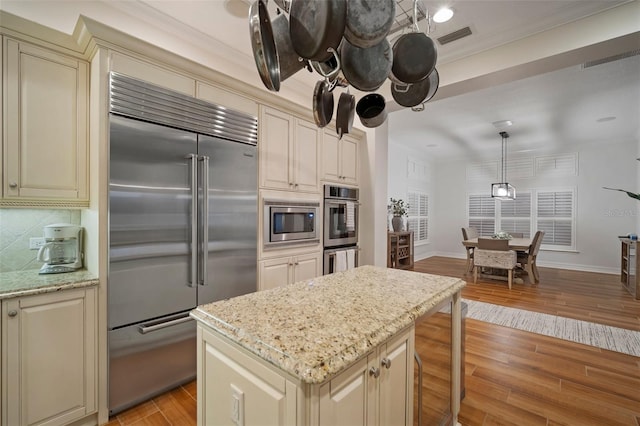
(512, 377)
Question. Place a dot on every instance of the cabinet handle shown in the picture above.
(375, 372)
(13, 185)
(386, 362)
(13, 313)
(295, 184)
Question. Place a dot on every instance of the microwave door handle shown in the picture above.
(193, 279)
(205, 218)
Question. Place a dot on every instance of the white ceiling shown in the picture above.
(559, 107)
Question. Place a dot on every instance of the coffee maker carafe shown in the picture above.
(62, 251)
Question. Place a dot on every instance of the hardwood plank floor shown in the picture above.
(512, 377)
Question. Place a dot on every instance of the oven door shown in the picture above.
(332, 262)
(340, 223)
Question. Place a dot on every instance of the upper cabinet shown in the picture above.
(288, 152)
(340, 158)
(45, 131)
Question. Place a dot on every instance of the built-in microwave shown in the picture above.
(287, 222)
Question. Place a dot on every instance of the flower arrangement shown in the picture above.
(502, 235)
(398, 207)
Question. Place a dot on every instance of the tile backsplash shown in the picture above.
(18, 225)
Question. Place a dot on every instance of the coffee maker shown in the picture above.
(62, 251)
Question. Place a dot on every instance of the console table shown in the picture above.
(400, 250)
(629, 266)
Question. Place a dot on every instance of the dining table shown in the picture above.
(517, 244)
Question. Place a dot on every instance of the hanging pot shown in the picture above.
(345, 113)
(322, 103)
(368, 21)
(289, 62)
(414, 54)
(372, 110)
(315, 26)
(366, 69)
(416, 93)
(264, 46)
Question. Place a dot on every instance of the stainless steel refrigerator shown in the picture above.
(182, 229)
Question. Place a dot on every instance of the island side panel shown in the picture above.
(456, 353)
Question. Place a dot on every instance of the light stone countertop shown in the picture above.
(24, 283)
(316, 328)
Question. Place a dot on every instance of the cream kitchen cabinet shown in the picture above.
(340, 162)
(49, 358)
(45, 136)
(288, 270)
(238, 388)
(289, 147)
(376, 390)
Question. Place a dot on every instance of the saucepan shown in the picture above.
(372, 110)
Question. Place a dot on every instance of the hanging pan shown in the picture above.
(367, 68)
(414, 54)
(416, 93)
(315, 26)
(368, 21)
(346, 111)
(264, 46)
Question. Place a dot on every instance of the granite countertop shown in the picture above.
(316, 328)
(24, 283)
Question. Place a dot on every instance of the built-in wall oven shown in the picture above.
(340, 228)
(287, 222)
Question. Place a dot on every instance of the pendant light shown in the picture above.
(503, 190)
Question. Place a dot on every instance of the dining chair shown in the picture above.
(528, 259)
(467, 234)
(494, 253)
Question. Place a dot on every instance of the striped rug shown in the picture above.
(588, 333)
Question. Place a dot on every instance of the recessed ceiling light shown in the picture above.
(443, 15)
(604, 119)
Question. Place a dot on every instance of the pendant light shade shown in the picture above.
(503, 190)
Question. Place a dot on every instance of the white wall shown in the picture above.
(601, 215)
(399, 181)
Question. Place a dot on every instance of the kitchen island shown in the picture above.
(336, 349)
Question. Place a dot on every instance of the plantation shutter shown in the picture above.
(418, 219)
(515, 215)
(555, 216)
(482, 211)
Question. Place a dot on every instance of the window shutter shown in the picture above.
(555, 217)
(482, 210)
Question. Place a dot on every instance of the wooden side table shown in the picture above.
(629, 266)
(400, 250)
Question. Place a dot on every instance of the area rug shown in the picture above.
(588, 333)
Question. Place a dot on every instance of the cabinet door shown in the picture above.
(345, 399)
(349, 164)
(330, 157)
(396, 381)
(305, 160)
(234, 388)
(275, 147)
(275, 272)
(45, 124)
(49, 358)
(307, 266)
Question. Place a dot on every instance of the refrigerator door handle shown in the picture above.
(144, 329)
(193, 279)
(205, 219)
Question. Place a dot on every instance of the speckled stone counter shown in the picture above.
(314, 329)
(24, 283)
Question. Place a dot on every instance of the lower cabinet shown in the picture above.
(378, 389)
(49, 358)
(289, 269)
(238, 388)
